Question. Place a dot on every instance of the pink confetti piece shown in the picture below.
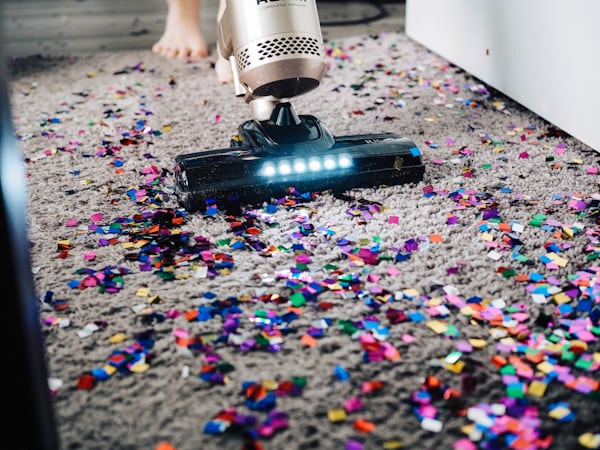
(408, 338)
(90, 256)
(72, 222)
(393, 219)
(392, 271)
(96, 217)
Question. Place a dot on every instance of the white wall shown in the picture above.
(544, 54)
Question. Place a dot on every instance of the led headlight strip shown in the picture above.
(285, 167)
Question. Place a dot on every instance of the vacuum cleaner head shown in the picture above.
(276, 52)
(267, 158)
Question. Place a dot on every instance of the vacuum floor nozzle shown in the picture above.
(267, 158)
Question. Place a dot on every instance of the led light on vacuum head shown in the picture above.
(285, 168)
(268, 170)
(314, 164)
(329, 163)
(299, 166)
(344, 161)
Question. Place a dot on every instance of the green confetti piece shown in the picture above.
(262, 340)
(508, 369)
(347, 327)
(515, 391)
(567, 356)
(521, 258)
(584, 364)
(166, 276)
(509, 273)
(554, 338)
(297, 299)
(299, 381)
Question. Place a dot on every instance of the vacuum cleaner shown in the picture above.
(276, 52)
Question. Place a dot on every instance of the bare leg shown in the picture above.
(183, 36)
(222, 66)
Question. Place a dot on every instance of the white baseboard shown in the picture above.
(544, 54)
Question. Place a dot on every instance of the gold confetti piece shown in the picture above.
(431, 119)
(589, 440)
(561, 298)
(110, 370)
(467, 429)
(411, 293)
(126, 245)
(336, 415)
(466, 311)
(143, 292)
(487, 237)
(562, 262)
(117, 338)
(568, 232)
(270, 385)
(139, 367)
(545, 367)
(537, 388)
(457, 367)
(141, 243)
(478, 343)
(436, 301)
(156, 300)
(437, 326)
(559, 412)
(392, 445)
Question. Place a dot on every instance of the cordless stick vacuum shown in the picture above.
(276, 52)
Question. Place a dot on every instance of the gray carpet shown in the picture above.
(459, 312)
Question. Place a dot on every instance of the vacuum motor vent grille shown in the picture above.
(278, 47)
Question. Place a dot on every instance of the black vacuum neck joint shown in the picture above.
(284, 115)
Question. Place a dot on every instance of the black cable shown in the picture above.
(381, 14)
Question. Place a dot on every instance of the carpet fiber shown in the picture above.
(460, 312)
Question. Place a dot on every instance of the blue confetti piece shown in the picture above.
(416, 316)
(340, 373)
(74, 284)
(100, 374)
(415, 151)
(584, 305)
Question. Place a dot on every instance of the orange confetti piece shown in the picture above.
(364, 426)
(437, 238)
(308, 340)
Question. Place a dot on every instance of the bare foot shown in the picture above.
(182, 37)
